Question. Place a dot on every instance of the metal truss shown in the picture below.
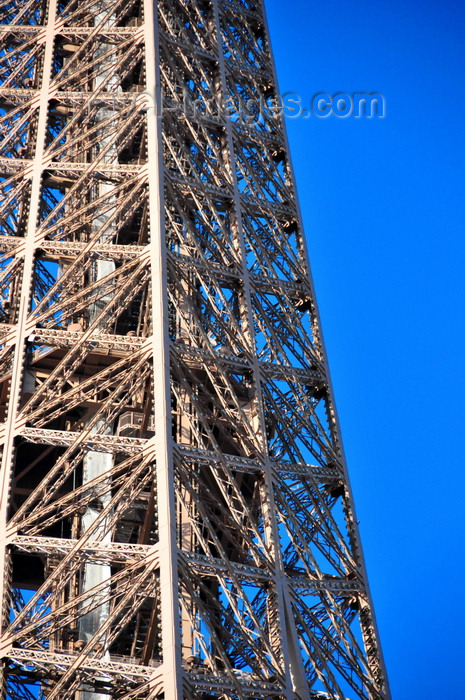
(175, 519)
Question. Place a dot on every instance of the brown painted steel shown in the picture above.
(176, 519)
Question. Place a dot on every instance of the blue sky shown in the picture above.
(382, 202)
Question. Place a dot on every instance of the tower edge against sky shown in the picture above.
(176, 516)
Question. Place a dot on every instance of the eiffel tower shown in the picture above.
(176, 520)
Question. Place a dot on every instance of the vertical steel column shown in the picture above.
(21, 331)
(333, 408)
(170, 618)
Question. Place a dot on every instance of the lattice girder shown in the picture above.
(175, 516)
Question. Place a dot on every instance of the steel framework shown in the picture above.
(175, 519)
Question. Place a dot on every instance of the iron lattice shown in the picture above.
(176, 519)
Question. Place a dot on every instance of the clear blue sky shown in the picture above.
(382, 201)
